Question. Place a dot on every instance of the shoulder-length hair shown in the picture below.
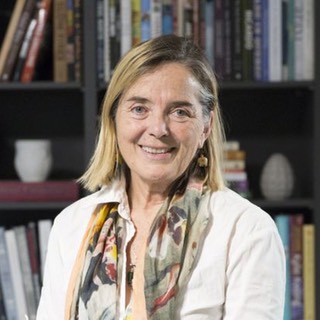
(142, 59)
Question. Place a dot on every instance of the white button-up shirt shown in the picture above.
(240, 272)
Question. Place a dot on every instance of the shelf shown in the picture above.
(253, 85)
(38, 86)
(28, 205)
(307, 203)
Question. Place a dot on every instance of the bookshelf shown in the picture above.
(265, 117)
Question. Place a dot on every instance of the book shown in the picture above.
(44, 228)
(257, 40)
(25, 265)
(126, 27)
(136, 21)
(283, 224)
(6, 278)
(11, 29)
(15, 269)
(155, 18)
(145, 20)
(167, 17)
(24, 50)
(77, 16)
(59, 190)
(33, 249)
(102, 30)
(60, 39)
(298, 40)
(70, 41)
(219, 37)
(247, 39)
(17, 40)
(296, 256)
(275, 40)
(36, 41)
(265, 40)
(309, 276)
(308, 36)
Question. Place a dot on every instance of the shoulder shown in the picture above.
(228, 208)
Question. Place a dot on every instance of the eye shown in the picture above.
(139, 110)
(181, 113)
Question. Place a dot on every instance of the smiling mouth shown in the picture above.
(156, 150)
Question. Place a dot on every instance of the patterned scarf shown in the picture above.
(172, 246)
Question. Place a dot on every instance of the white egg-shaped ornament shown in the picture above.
(277, 178)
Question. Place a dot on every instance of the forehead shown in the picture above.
(171, 76)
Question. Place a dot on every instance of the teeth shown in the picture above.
(156, 151)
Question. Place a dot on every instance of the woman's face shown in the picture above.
(160, 125)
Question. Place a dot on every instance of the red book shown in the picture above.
(60, 190)
(38, 36)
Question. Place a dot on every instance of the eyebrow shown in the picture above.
(173, 103)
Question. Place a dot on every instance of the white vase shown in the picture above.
(33, 159)
(277, 178)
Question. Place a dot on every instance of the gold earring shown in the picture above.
(202, 161)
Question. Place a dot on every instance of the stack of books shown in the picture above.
(234, 166)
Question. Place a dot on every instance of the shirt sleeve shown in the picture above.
(51, 306)
(255, 287)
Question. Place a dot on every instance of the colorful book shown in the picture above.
(78, 40)
(296, 261)
(145, 20)
(309, 274)
(257, 40)
(38, 36)
(155, 18)
(17, 40)
(126, 27)
(136, 21)
(283, 224)
(70, 40)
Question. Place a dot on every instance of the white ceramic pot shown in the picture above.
(33, 159)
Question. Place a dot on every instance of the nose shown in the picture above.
(158, 126)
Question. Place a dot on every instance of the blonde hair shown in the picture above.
(144, 58)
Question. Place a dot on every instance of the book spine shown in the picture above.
(296, 225)
(44, 228)
(24, 50)
(283, 224)
(209, 31)
(77, 40)
(70, 40)
(291, 46)
(275, 40)
(298, 40)
(34, 258)
(236, 36)
(21, 237)
(196, 21)
(309, 277)
(284, 39)
(188, 19)
(308, 39)
(257, 40)
(265, 40)
(32, 57)
(219, 38)
(247, 39)
(101, 30)
(60, 39)
(167, 17)
(227, 42)
(126, 26)
(14, 20)
(6, 278)
(15, 268)
(155, 18)
(17, 40)
(145, 20)
(136, 22)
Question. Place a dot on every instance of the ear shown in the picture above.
(206, 130)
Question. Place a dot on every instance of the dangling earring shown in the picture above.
(202, 161)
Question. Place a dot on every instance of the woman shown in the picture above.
(163, 238)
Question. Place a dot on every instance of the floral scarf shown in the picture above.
(172, 246)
